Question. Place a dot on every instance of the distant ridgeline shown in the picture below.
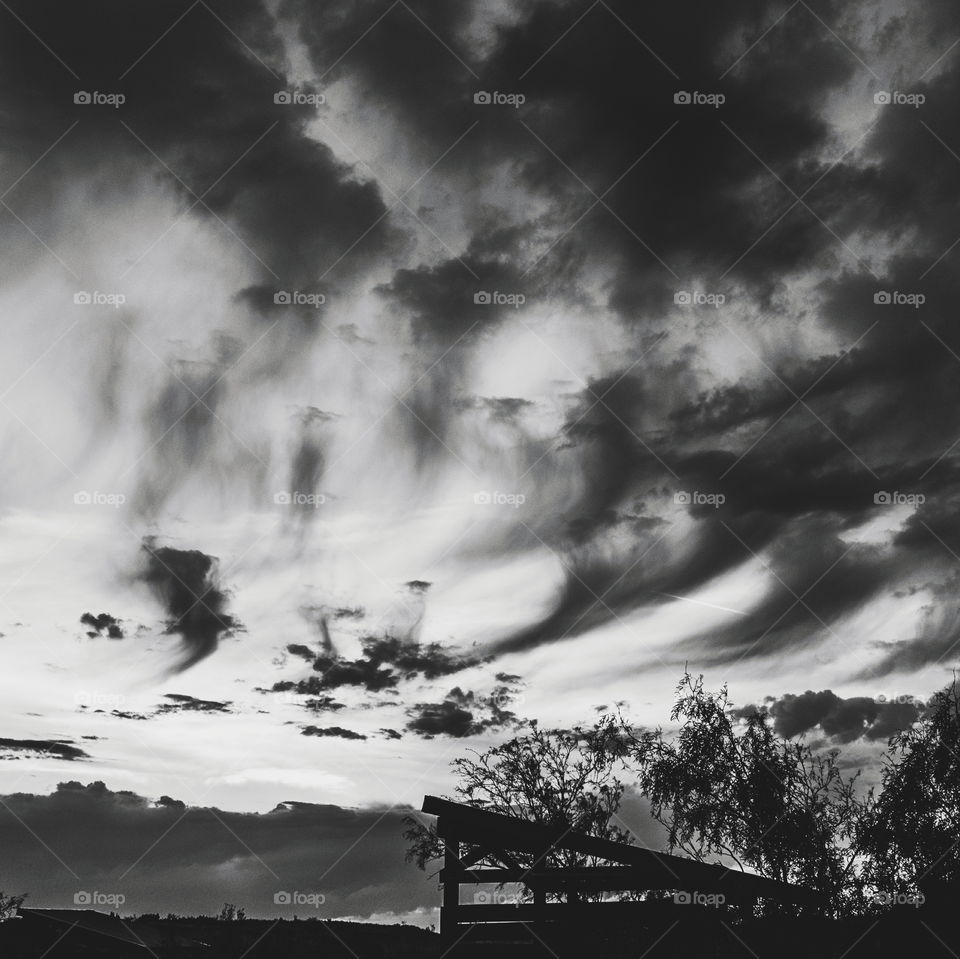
(76, 933)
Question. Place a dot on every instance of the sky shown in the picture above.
(378, 376)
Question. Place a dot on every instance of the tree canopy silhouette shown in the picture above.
(559, 778)
(732, 789)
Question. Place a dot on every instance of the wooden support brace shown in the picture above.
(451, 888)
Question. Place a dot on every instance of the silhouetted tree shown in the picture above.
(913, 830)
(230, 913)
(727, 786)
(560, 778)
(10, 904)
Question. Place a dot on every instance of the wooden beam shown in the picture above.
(597, 913)
(591, 879)
(583, 879)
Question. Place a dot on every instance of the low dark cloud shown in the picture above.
(186, 583)
(126, 714)
(337, 732)
(838, 719)
(179, 703)
(304, 652)
(323, 704)
(47, 748)
(385, 663)
(171, 856)
(102, 625)
(446, 718)
(463, 713)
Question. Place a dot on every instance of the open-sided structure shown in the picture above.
(472, 836)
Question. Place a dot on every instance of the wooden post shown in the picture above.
(451, 888)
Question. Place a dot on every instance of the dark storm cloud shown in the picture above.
(338, 732)
(171, 856)
(863, 399)
(429, 660)
(446, 718)
(385, 662)
(335, 672)
(572, 125)
(442, 300)
(777, 505)
(186, 583)
(102, 624)
(180, 703)
(200, 111)
(175, 703)
(841, 720)
(304, 652)
(323, 704)
(796, 474)
(462, 714)
(125, 714)
(47, 748)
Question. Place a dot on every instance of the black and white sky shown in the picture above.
(377, 375)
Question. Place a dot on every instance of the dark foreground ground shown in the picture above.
(80, 934)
